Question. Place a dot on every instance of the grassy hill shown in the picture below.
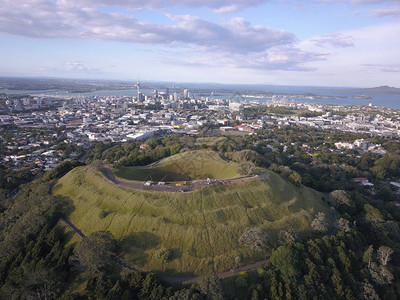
(200, 227)
(184, 166)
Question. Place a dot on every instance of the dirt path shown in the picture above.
(171, 278)
(334, 228)
(220, 275)
(170, 187)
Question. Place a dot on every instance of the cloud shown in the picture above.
(62, 19)
(395, 68)
(387, 12)
(280, 58)
(286, 58)
(337, 40)
(75, 66)
(368, 62)
(358, 1)
(226, 9)
(374, 1)
(389, 8)
(235, 42)
(218, 6)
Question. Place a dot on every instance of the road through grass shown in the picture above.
(201, 228)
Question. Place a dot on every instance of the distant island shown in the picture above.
(382, 90)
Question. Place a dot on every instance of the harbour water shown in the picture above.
(234, 93)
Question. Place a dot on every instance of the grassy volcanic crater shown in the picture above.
(200, 228)
(189, 165)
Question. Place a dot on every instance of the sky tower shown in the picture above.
(138, 87)
(140, 96)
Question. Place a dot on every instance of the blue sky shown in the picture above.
(286, 42)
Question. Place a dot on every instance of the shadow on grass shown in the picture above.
(66, 205)
(176, 253)
(69, 235)
(132, 247)
(142, 240)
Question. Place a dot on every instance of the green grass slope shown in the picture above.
(200, 227)
(191, 165)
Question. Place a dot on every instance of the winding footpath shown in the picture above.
(175, 279)
(166, 188)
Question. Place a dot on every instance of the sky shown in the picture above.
(342, 43)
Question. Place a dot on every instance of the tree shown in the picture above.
(186, 294)
(135, 281)
(288, 236)
(62, 169)
(367, 257)
(247, 168)
(163, 255)
(319, 223)
(286, 259)
(380, 274)
(368, 292)
(254, 295)
(340, 197)
(384, 254)
(150, 283)
(95, 251)
(295, 178)
(344, 225)
(211, 286)
(43, 283)
(242, 281)
(116, 291)
(393, 229)
(337, 283)
(372, 214)
(256, 238)
(98, 286)
(238, 260)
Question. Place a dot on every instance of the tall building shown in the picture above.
(185, 94)
(138, 86)
(155, 95)
(235, 106)
(140, 97)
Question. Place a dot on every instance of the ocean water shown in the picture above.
(230, 92)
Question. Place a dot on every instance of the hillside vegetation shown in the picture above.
(189, 165)
(200, 229)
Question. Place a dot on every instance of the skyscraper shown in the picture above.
(185, 94)
(138, 86)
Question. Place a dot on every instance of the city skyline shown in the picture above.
(316, 43)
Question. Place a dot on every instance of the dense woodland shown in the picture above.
(360, 259)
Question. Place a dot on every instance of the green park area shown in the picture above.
(191, 165)
(193, 233)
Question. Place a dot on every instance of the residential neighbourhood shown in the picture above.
(33, 127)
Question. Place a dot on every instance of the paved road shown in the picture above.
(170, 187)
(73, 227)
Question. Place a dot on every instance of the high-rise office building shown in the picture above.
(185, 94)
